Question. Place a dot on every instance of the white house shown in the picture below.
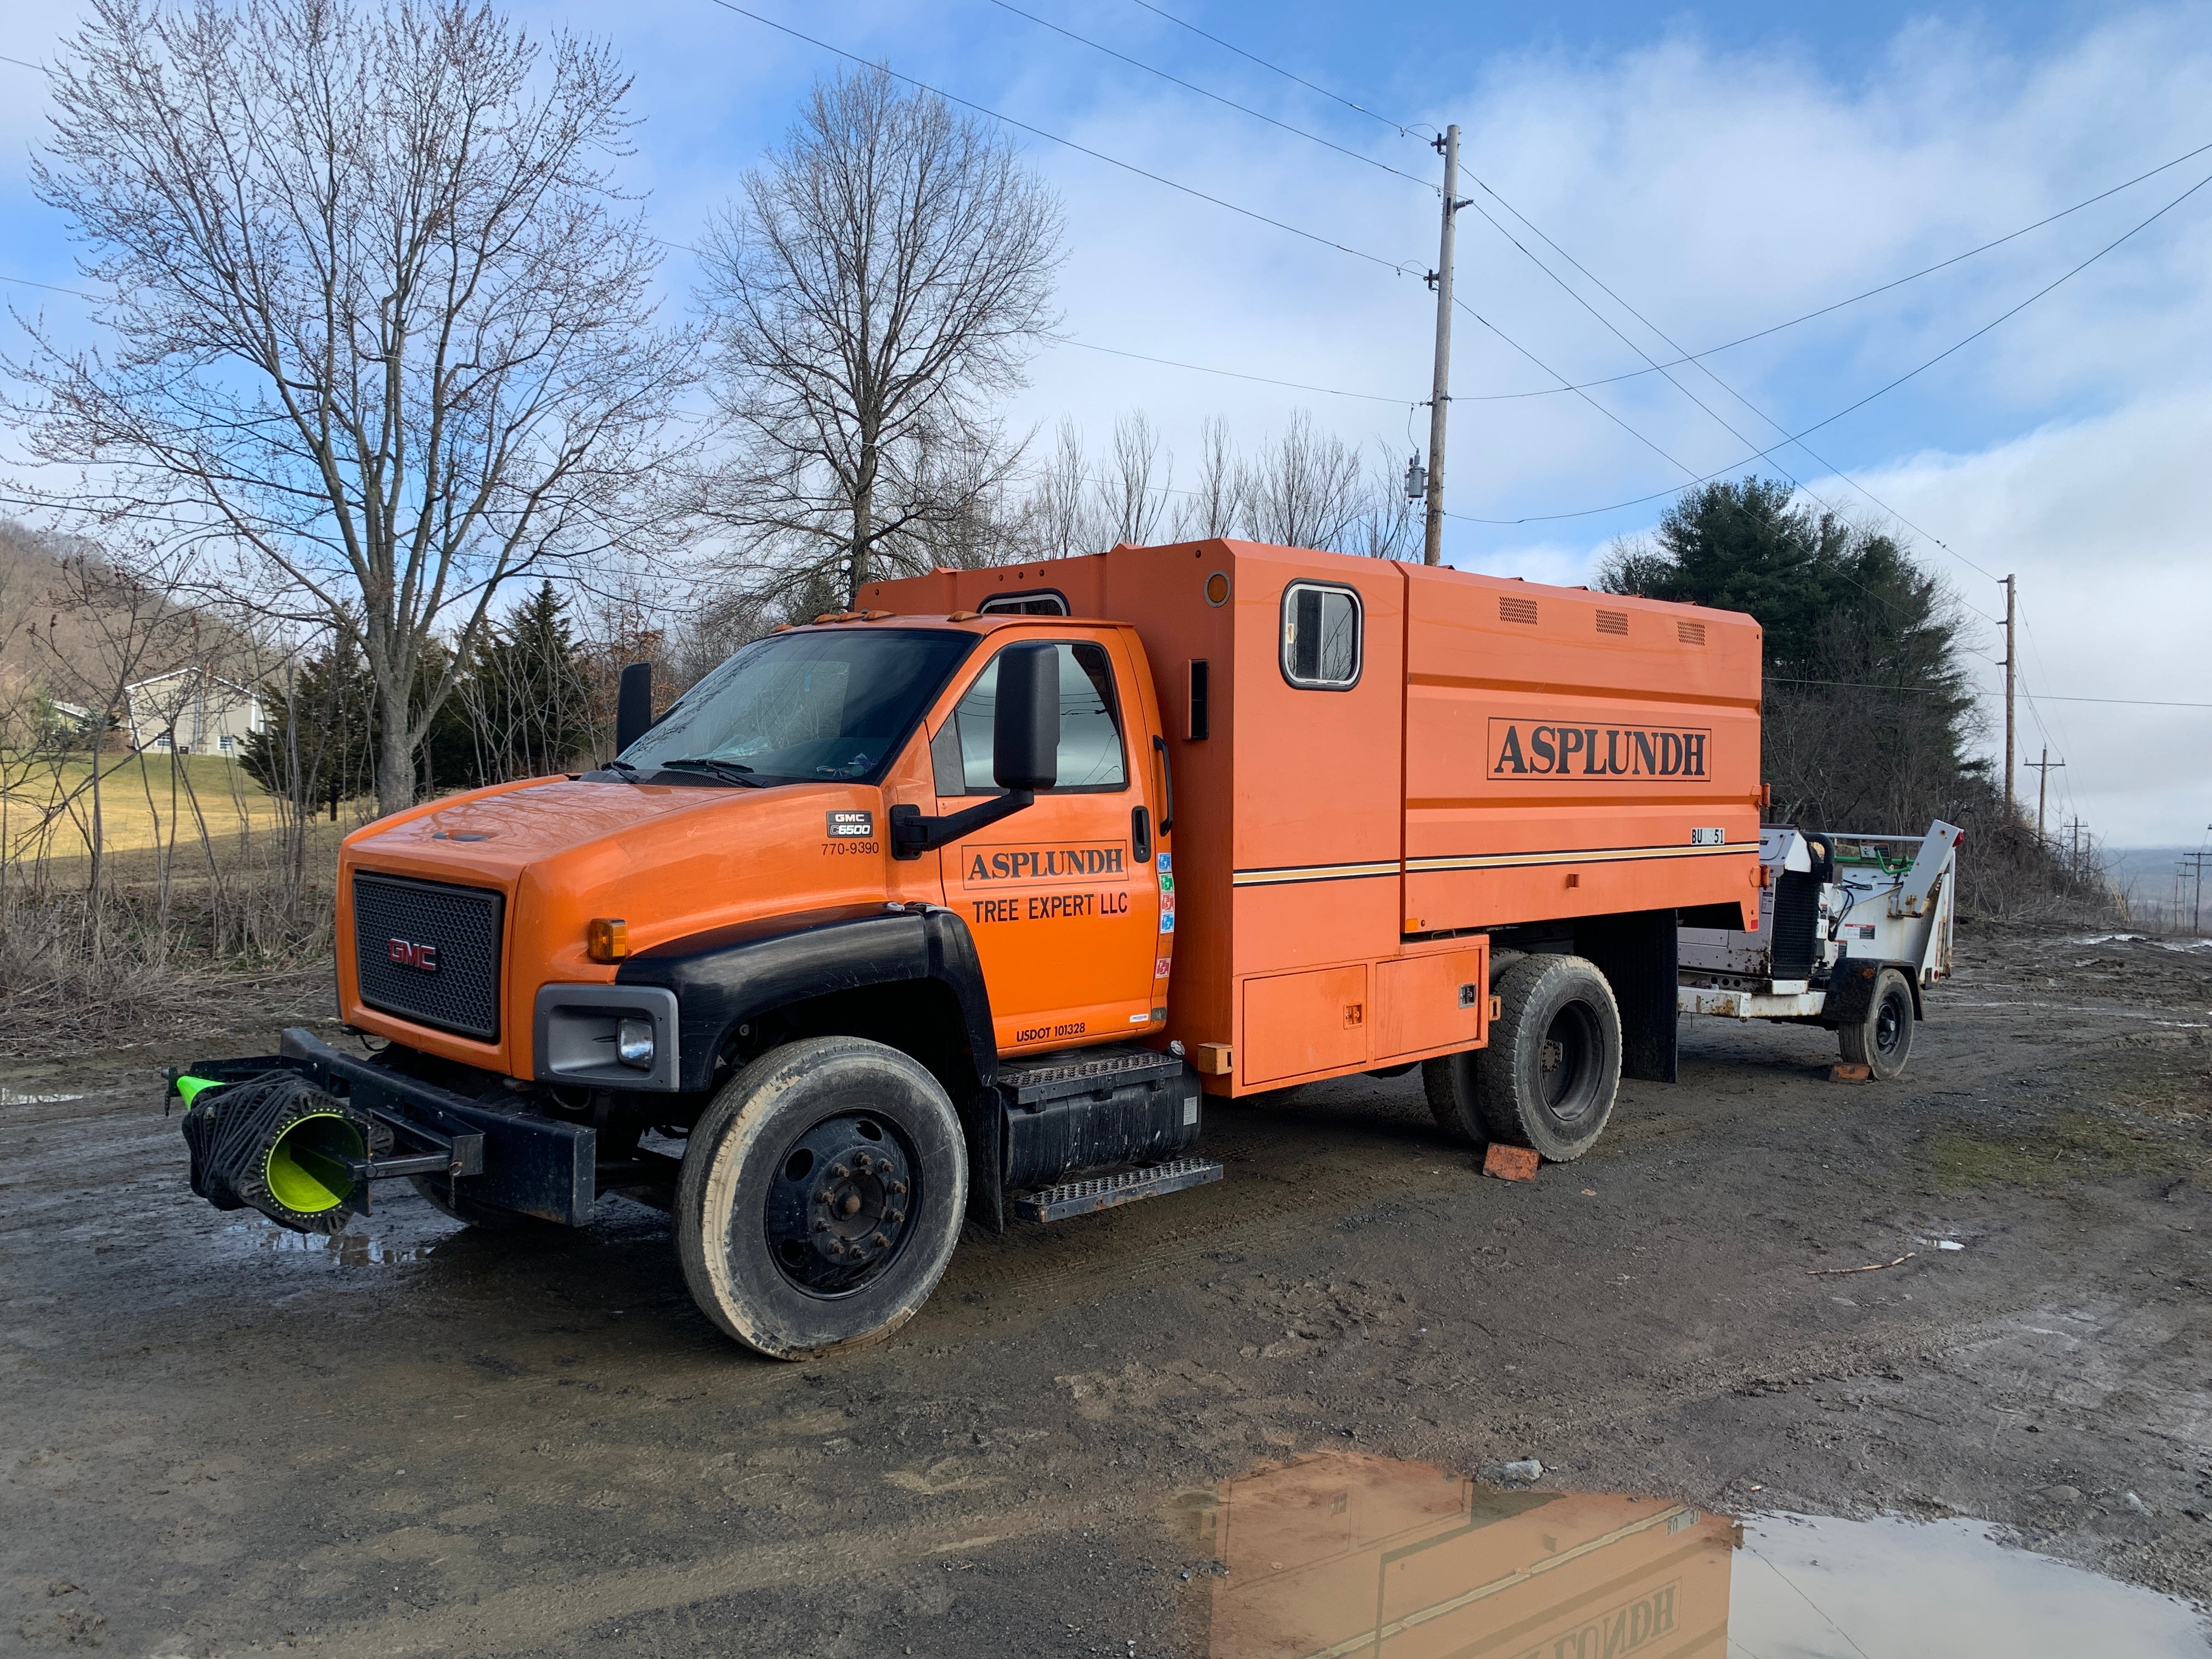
(191, 711)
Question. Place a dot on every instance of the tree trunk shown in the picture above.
(395, 758)
(864, 504)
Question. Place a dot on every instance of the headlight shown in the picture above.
(634, 1043)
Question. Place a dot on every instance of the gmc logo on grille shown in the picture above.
(423, 959)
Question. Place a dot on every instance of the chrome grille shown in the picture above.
(455, 986)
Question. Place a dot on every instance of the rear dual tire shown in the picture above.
(820, 1197)
(1552, 1070)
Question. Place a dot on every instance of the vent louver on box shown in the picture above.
(1691, 633)
(1515, 611)
(1613, 622)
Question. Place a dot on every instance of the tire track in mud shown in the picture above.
(528, 1618)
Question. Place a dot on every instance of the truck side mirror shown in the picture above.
(634, 705)
(1025, 729)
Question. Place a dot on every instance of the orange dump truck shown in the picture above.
(963, 902)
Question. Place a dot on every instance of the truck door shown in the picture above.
(1061, 898)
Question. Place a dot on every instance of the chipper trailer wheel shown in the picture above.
(820, 1196)
(1882, 1041)
(1548, 1078)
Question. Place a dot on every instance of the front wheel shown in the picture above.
(1882, 1041)
(820, 1197)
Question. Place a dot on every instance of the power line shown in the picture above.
(1402, 129)
(25, 282)
(4, 59)
(1869, 685)
(1727, 426)
(1881, 390)
(1703, 368)
(1567, 288)
(1400, 267)
(1565, 387)
(1869, 293)
(1326, 143)
(1234, 374)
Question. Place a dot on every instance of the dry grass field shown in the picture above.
(147, 802)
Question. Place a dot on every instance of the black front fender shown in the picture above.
(728, 976)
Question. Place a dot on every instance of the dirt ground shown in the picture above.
(426, 1441)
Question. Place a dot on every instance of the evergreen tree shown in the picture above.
(526, 697)
(316, 746)
(1867, 716)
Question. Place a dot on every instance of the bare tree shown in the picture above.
(884, 276)
(1137, 481)
(1385, 525)
(1062, 505)
(1303, 492)
(382, 321)
(1216, 507)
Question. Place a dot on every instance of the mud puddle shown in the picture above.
(390, 1246)
(1340, 1555)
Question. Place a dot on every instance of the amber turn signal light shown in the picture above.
(608, 940)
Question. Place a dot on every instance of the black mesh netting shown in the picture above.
(277, 1144)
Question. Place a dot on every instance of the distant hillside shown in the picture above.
(60, 638)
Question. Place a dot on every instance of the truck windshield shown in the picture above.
(808, 705)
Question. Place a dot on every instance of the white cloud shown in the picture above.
(2103, 522)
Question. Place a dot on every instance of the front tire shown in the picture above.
(1882, 1041)
(1550, 1074)
(820, 1196)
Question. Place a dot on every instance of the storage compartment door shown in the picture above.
(1296, 1024)
(1426, 1003)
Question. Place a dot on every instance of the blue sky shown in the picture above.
(1722, 168)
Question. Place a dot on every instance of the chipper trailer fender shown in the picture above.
(1852, 930)
(969, 903)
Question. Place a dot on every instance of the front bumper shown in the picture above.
(490, 1152)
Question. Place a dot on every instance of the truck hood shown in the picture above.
(497, 832)
(669, 860)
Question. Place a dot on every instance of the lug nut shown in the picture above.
(895, 1187)
(839, 1171)
(896, 1216)
(821, 1226)
(878, 1241)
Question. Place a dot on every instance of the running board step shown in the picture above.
(1106, 1192)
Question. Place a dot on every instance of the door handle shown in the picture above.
(1140, 835)
(1167, 783)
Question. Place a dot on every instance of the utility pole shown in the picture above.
(2012, 813)
(2043, 769)
(1432, 545)
(2195, 862)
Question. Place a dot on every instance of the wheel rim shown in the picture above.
(1567, 1081)
(1891, 1022)
(840, 1208)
